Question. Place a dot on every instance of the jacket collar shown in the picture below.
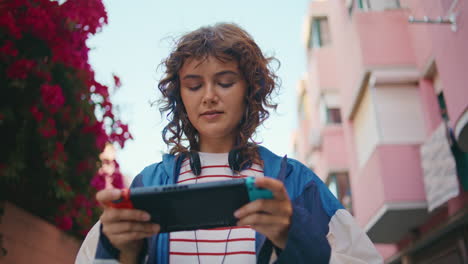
(272, 162)
(170, 162)
(273, 165)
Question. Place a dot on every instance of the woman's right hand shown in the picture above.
(125, 228)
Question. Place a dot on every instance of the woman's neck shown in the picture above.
(216, 145)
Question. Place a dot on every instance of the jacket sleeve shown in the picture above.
(105, 251)
(307, 237)
(321, 229)
(88, 247)
(349, 242)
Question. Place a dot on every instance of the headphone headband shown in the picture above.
(235, 160)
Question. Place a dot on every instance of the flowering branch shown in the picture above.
(50, 136)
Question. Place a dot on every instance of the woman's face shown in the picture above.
(213, 94)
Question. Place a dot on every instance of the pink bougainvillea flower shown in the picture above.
(20, 69)
(109, 114)
(39, 22)
(66, 114)
(83, 166)
(86, 221)
(89, 14)
(63, 185)
(107, 107)
(60, 183)
(118, 180)
(99, 181)
(98, 130)
(61, 28)
(9, 49)
(38, 115)
(101, 139)
(100, 89)
(64, 222)
(117, 82)
(7, 20)
(62, 208)
(48, 130)
(84, 232)
(59, 153)
(86, 120)
(120, 134)
(52, 97)
(81, 201)
(74, 212)
(75, 53)
(44, 75)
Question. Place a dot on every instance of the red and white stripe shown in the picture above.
(240, 241)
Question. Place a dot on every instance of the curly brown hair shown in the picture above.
(225, 42)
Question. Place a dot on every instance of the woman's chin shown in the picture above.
(214, 133)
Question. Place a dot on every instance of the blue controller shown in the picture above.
(256, 193)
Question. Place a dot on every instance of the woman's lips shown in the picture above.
(211, 115)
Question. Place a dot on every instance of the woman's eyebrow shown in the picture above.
(191, 76)
(218, 74)
(226, 72)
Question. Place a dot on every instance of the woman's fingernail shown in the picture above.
(237, 213)
(146, 217)
(155, 228)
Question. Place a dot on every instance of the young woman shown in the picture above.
(216, 92)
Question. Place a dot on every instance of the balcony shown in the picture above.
(393, 178)
(388, 159)
(376, 40)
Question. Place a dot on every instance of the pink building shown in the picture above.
(383, 111)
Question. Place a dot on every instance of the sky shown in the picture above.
(140, 34)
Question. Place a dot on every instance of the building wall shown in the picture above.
(386, 118)
(384, 38)
(29, 239)
(334, 148)
(447, 48)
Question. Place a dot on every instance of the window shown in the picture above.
(329, 109)
(360, 4)
(333, 116)
(350, 6)
(377, 5)
(338, 184)
(319, 33)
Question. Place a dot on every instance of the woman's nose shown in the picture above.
(210, 96)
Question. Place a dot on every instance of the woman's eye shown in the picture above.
(194, 88)
(226, 85)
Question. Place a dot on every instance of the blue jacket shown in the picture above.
(313, 206)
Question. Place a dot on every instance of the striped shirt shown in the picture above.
(234, 244)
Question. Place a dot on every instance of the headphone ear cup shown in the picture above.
(234, 160)
(195, 163)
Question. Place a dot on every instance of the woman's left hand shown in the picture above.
(271, 217)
